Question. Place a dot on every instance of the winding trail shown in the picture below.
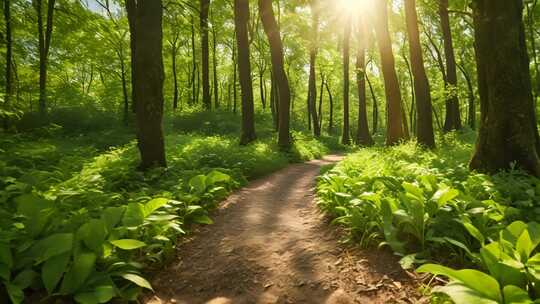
(270, 244)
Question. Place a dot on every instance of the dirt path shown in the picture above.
(270, 244)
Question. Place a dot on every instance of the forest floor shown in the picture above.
(271, 244)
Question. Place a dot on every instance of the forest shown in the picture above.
(269, 151)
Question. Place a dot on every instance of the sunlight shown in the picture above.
(354, 7)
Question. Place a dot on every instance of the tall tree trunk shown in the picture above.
(194, 64)
(346, 137)
(312, 65)
(331, 112)
(174, 54)
(148, 81)
(204, 9)
(9, 59)
(124, 88)
(453, 115)
(424, 125)
(508, 132)
(471, 111)
(320, 112)
(235, 80)
(44, 37)
(363, 136)
(395, 132)
(375, 106)
(214, 63)
(241, 20)
(271, 29)
(131, 7)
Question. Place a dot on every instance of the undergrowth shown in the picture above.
(428, 208)
(78, 221)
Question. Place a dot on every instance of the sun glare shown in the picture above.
(354, 7)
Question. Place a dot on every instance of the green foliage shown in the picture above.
(427, 206)
(78, 219)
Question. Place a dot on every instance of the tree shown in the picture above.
(241, 20)
(148, 79)
(205, 49)
(508, 132)
(395, 132)
(424, 123)
(345, 137)
(363, 136)
(9, 57)
(44, 37)
(271, 29)
(312, 95)
(453, 115)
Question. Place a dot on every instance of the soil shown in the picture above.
(271, 244)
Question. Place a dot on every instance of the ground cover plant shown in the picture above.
(428, 208)
(79, 220)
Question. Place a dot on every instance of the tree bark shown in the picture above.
(9, 59)
(363, 136)
(395, 132)
(271, 29)
(471, 116)
(214, 64)
(312, 100)
(131, 8)
(331, 112)
(241, 19)
(508, 132)
(174, 53)
(453, 115)
(424, 124)
(204, 9)
(345, 136)
(194, 64)
(44, 38)
(375, 106)
(148, 82)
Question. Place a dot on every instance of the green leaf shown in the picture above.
(83, 265)
(5, 255)
(462, 294)
(128, 244)
(474, 232)
(51, 246)
(202, 219)
(215, 177)
(5, 272)
(198, 183)
(15, 293)
(524, 246)
(444, 195)
(476, 280)
(93, 234)
(53, 270)
(138, 280)
(37, 212)
(154, 205)
(25, 278)
(102, 294)
(112, 216)
(134, 215)
(413, 189)
(515, 295)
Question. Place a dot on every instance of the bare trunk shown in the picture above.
(204, 9)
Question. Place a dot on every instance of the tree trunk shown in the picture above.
(453, 115)
(312, 100)
(271, 29)
(9, 59)
(331, 112)
(131, 7)
(235, 80)
(395, 132)
(44, 37)
(241, 19)
(363, 136)
(471, 116)
(204, 9)
(194, 64)
(320, 112)
(375, 106)
(174, 54)
(124, 90)
(214, 63)
(508, 132)
(345, 137)
(424, 124)
(148, 82)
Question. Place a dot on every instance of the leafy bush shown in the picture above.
(427, 206)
